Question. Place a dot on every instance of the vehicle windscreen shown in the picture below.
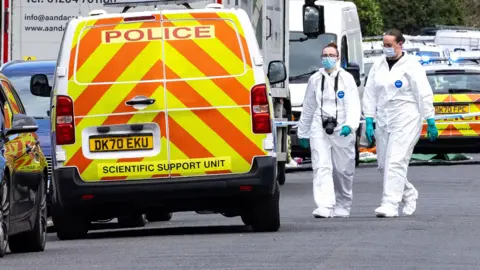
(35, 106)
(305, 54)
(455, 83)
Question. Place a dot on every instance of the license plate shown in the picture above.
(121, 143)
(451, 109)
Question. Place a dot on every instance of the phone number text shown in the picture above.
(71, 1)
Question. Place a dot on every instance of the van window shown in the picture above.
(134, 52)
(344, 52)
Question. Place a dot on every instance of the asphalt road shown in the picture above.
(443, 234)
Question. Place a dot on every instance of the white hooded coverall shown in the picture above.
(397, 99)
(333, 156)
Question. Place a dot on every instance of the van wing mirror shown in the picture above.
(277, 72)
(354, 69)
(39, 85)
(313, 20)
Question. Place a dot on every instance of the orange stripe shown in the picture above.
(90, 43)
(228, 37)
(115, 67)
(210, 67)
(213, 118)
(146, 89)
(218, 172)
(186, 142)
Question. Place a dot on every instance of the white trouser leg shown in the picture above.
(343, 158)
(398, 151)
(323, 191)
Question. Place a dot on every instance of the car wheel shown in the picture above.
(159, 216)
(69, 226)
(281, 174)
(266, 213)
(132, 221)
(33, 241)
(4, 216)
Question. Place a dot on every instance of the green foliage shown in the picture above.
(371, 19)
(376, 16)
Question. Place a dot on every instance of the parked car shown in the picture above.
(23, 174)
(19, 73)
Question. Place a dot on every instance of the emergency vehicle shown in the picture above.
(455, 81)
(163, 111)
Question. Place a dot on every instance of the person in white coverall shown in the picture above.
(397, 97)
(329, 119)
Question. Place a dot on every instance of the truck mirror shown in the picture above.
(277, 72)
(313, 20)
(354, 69)
(39, 85)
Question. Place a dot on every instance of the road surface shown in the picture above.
(444, 234)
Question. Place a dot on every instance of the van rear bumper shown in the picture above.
(109, 199)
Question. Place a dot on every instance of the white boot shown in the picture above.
(340, 212)
(322, 213)
(410, 200)
(386, 211)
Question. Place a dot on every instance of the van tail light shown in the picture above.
(64, 125)
(260, 110)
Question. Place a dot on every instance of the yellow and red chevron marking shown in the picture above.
(197, 127)
(464, 126)
(10, 97)
(8, 115)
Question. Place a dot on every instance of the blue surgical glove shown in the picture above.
(305, 143)
(369, 129)
(346, 130)
(432, 131)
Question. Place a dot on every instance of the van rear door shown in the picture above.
(116, 82)
(208, 90)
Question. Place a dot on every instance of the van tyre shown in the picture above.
(33, 241)
(159, 216)
(69, 227)
(281, 174)
(132, 221)
(265, 215)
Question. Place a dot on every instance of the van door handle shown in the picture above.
(147, 101)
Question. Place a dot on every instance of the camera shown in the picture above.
(329, 124)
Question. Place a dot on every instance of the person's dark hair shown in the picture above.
(332, 45)
(397, 34)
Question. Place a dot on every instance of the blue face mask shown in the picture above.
(329, 62)
(389, 52)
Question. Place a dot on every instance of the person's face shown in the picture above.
(390, 42)
(330, 52)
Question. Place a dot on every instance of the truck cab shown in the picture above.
(337, 22)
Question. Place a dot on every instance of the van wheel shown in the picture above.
(69, 227)
(33, 241)
(266, 213)
(159, 216)
(132, 221)
(281, 174)
(247, 219)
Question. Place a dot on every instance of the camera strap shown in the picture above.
(335, 88)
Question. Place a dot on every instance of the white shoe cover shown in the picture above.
(386, 211)
(322, 213)
(341, 212)
(410, 201)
